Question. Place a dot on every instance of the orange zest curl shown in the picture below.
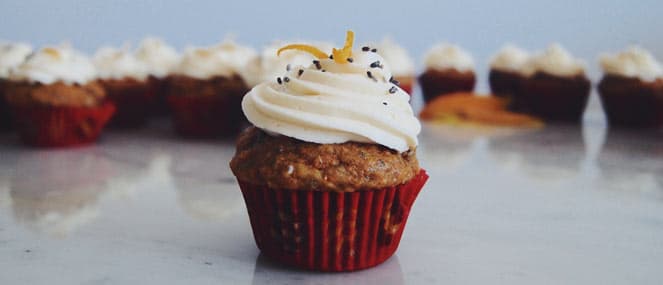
(340, 55)
(316, 52)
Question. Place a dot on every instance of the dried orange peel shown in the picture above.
(339, 55)
(472, 110)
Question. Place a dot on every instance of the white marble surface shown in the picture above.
(558, 206)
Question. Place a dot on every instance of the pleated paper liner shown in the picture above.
(206, 116)
(330, 231)
(133, 105)
(48, 126)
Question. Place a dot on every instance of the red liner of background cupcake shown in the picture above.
(330, 231)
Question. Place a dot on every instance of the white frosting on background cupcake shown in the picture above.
(555, 60)
(270, 66)
(447, 56)
(396, 56)
(160, 58)
(112, 63)
(226, 59)
(11, 56)
(633, 62)
(509, 58)
(329, 102)
(53, 64)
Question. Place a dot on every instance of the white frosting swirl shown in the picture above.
(633, 62)
(398, 58)
(11, 56)
(226, 59)
(335, 104)
(112, 63)
(509, 58)
(159, 58)
(53, 64)
(269, 65)
(447, 56)
(555, 60)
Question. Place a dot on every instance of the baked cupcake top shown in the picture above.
(226, 59)
(633, 62)
(159, 58)
(112, 63)
(399, 60)
(555, 60)
(11, 56)
(56, 64)
(269, 65)
(445, 56)
(510, 58)
(346, 96)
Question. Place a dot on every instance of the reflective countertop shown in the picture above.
(555, 206)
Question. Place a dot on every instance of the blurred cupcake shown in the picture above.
(328, 184)
(506, 72)
(269, 66)
(11, 56)
(556, 87)
(449, 69)
(402, 66)
(205, 91)
(160, 60)
(125, 80)
(632, 88)
(56, 100)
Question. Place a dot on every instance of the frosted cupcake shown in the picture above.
(11, 56)
(402, 66)
(269, 66)
(449, 69)
(506, 71)
(160, 60)
(125, 80)
(206, 89)
(556, 87)
(56, 99)
(329, 170)
(632, 88)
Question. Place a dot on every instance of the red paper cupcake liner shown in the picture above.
(46, 126)
(330, 231)
(407, 87)
(206, 116)
(133, 105)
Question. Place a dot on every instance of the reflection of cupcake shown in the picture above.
(160, 60)
(506, 73)
(449, 69)
(125, 80)
(329, 172)
(556, 87)
(402, 66)
(632, 88)
(205, 91)
(56, 192)
(11, 56)
(56, 100)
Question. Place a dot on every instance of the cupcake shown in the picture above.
(269, 66)
(556, 87)
(632, 88)
(449, 69)
(329, 170)
(160, 60)
(402, 66)
(125, 81)
(56, 100)
(205, 90)
(506, 72)
(11, 56)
